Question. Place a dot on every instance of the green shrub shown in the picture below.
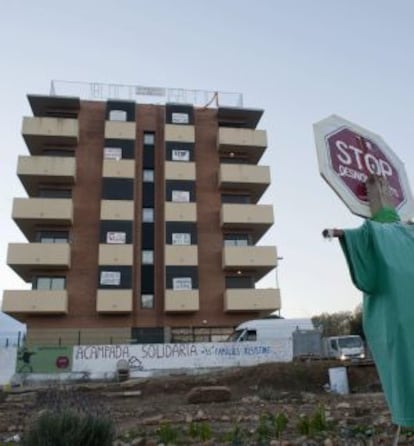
(167, 434)
(200, 430)
(69, 428)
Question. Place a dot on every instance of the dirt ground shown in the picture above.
(155, 411)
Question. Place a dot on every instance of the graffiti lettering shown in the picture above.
(168, 350)
(102, 352)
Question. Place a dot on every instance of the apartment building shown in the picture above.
(142, 222)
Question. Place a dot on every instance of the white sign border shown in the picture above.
(322, 130)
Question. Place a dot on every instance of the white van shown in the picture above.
(269, 329)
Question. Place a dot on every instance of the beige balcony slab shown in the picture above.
(115, 254)
(180, 171)
(258, 259)
(256, 219)
(47, 132)
(250, 143)
(117, 210)
(181, 255)
(180, 211)
(114, 301)
(179, 133)
(35, 170)
(245, 178)
(28, 213)
(118, 169)
(22, 303)
(120, 130)
(182, 301)
(24, 257)
(252, 300)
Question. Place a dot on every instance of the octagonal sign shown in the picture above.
(348, 154)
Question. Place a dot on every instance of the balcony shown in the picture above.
(251, 300)
(249, 143)
(120, 130)
(40, 133)
(115, 255)
(114, 301)
(255, 219)
(180, 171)
(117, 210)
(181, 255)
(24, 257)
(180, 211)
(35, 170)
(183, 301)
(245, 178)
(118, 169)
(22, 303)
(258, 259)
(56, 106)
(238, 117)
(28, 213)
(179, 133)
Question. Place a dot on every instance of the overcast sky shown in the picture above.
(299, 60)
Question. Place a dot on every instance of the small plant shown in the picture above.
(167, 434)
(310, 425)
(264, 429)
(200, 430)
(68, 427)
(267, 393)
(236, 437)
(280, 422)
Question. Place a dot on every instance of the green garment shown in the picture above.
(380, 257)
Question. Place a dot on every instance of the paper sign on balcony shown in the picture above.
(180, 118)
(180, 155)
(116, 238)
(181, 238)
(182, 283)
(180, 196)
(110, 278)
(113, 153)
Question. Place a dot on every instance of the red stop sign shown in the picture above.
(354, 157)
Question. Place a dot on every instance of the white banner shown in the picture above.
(110, 278)
(180, 196)
(182, 283)
(180, 155)
(181, 238)
(180, 118)
(113, 153)
(116, 237)
(146, 357)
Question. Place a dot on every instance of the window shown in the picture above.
(147, 257)
(147, 215)
(49, 192)
(180, 196)
(116, 238)
(49, 283)
(110, 278)
(180, 118)
(239, 282)
(58, 152)
(180, 155)
(149, 139)
(117, 115)
(182, 283)
(181, 238)
(236, 240)
(147, 301)
(113, 153)
(148, 175)
(52, 237)
(233, 198)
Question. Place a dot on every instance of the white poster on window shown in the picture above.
(181, 196)
(180, 155)
(181, 238)
(180, 118)
(113, 153)
(110, 278)
(116, 238)
(182, 283)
